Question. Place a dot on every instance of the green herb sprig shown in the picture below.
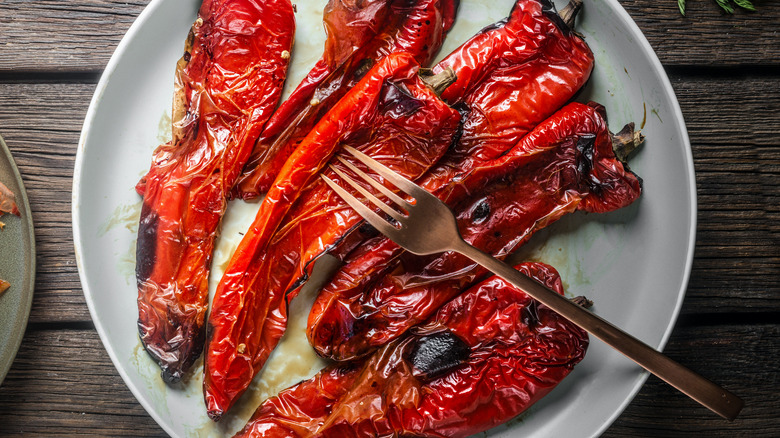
(724, 4)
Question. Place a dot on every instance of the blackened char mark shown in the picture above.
(463, 110)
(548, 8)
(585, 145)
(481, 212)
(530, 315)
(397, 102)
(367, 230)
(146, 248)
(435, 354)
(363, 67)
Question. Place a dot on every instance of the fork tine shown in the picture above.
(374, 183)
(372, 218)
(402, 183)
(369, 196)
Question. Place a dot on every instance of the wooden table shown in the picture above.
(724, 70)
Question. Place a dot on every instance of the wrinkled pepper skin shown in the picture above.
(359, 34)
(392, 115)
(228, 83)
(565, 164)
(511, 76)
(481, 360)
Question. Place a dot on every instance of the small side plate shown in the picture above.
(17, 264)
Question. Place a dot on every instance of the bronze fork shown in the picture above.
(429, 227)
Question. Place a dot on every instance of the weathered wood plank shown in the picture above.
(62, 36)
(707, 35)
(63, 381)
(741, 358)
(732, 124)
(81, 35)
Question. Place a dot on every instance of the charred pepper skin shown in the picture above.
(511, 76)
(391, 114)
(529, 54)
(563, 165)
(482, 359)
(227, 84)
(359, 34)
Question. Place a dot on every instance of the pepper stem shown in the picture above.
(569, 13)
(626, 141)
(438, 82)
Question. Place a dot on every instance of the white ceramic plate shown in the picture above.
(633, 263)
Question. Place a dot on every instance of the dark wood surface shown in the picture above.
(724, 69)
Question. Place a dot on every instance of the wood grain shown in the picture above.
(727, 354)
(57, 36)
(707, 36)
(724, 69)
(80, 35)
(62, 382)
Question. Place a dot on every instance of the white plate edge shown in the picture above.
(75, 211)
(669, 91)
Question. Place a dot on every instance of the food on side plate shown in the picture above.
(480, 360)
(8, 201)
(227, 85)
(392, 114)
(565, 164)
(7, 205)
(359, 34)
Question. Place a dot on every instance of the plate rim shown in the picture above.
(28, 289)
(631, 25)
(75, 201)
(693, 205)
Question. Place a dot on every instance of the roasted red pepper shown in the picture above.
(228, 83)
(511, 76)
(392, 115)
(566, 163)
(359, 35)
(482, 359)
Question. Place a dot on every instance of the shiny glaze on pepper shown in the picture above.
(566, 163)
(227, 84)
(359, 35)
(392, 115)
(510, 77)
(481, 360)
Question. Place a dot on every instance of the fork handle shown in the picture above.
(710, 395)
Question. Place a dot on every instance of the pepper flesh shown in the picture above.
(392, 115)
(504, 352)
(359, 35)
(228, 83)
(566, 163)
(511, 76)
